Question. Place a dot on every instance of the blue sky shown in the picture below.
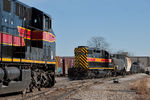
(125, 24)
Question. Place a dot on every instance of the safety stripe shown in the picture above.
(32, 61)
(10, 44)
(25, 60)
(89, 59)
(48, 62)
(81, 58)
(101, 68)
(16, 60)
(42, 40)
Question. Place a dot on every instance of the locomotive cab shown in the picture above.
(99, 63)
(40, 20)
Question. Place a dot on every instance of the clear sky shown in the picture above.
(125, 24)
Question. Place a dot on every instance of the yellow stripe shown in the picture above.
(38, 61)
(25, 60)
(51, 62)
(43, 40)
(27, 38)
(6, 44)
(32, 61)
(6, 59)
(16, 60)
(101, 68)
(11, 44)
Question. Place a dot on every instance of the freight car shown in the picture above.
(122, 64)
(91, 62)
(27, 48)
(63, 64)
(138, 67)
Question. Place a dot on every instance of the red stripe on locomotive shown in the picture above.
(46, 36)
(98, 60)
(26, 33)
(7, 39)
(90, 59)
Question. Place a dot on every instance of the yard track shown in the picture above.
(61, 91)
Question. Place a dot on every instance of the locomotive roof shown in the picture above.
(32, 8)
(92, 48)
(22, 4)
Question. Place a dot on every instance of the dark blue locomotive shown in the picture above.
(91, 63)
(27, 48)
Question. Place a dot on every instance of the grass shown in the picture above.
(142, 88)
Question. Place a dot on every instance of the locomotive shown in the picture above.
(27, 48)
(94, 62)
(91, 62)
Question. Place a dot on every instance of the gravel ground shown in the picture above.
(103, 90)
(110, 90)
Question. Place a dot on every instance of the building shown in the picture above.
(145, 60)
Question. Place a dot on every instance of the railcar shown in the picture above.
(122, 64)
(27, 48)
(138, 67)
(63, 64)
(91, 62)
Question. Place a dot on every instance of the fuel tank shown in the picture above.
(12, 73)
(1, 74)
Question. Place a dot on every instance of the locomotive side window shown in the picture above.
(7, 5)
(50, 24)
(46, 23)
(98, 51)
(89, 51)
(35, 21)
(105, 54)
(37, 18)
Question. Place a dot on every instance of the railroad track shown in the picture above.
(62, 91)
(65, 91)
(73, 91)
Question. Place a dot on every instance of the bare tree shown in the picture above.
(124, 52)
(98, 42)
